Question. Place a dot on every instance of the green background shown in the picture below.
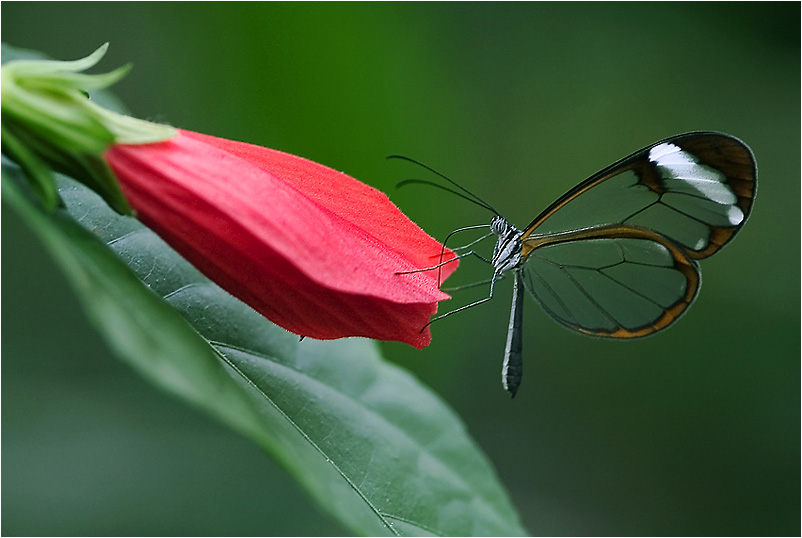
(692, 431)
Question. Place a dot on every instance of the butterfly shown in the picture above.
(618, 255)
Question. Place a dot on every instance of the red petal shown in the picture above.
(312, 249)
(361, 205)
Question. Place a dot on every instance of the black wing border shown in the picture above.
(721, 151)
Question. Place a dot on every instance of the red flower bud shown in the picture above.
(313, 250)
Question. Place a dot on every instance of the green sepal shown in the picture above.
(39, 174)
(50, 123)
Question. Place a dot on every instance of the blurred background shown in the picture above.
(694, 431)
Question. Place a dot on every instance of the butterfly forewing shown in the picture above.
(615, 255)
(696, 189)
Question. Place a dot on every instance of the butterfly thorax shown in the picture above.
(507, 252)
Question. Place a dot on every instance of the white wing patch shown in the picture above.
(681, 173)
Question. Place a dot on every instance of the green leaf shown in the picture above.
(367, 441)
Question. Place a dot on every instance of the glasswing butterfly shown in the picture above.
(617, 255)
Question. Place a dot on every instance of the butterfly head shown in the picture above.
(499, 225)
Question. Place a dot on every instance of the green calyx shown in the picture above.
(49, 123)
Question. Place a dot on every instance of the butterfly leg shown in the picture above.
(435, 266)
(467, 306)
(472, 243)
(472, 285)
(459, 257)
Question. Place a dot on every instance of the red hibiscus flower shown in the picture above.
(312, 249)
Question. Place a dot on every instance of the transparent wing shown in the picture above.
(696, 189)
(615, 281)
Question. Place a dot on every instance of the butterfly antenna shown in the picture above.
(443, 187)
(471, 197)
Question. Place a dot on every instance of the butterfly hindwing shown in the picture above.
(616, 281)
